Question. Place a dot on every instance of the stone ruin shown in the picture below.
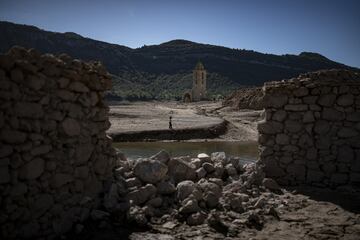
(58, 168)
(311, 131)
(54, 154)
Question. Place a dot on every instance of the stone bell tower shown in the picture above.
(199, 82)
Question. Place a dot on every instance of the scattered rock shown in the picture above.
(150, 171)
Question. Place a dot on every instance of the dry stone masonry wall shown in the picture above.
(54, 154)
(311, 133)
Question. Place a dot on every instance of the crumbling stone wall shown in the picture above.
(54, 154)
(311, 133)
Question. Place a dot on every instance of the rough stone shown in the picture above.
(165, 188)
(184, 189)
(327, 100)
(181, 170)
(161, 156)
(32, 169)
(345, 100)
(71, 127)
(150, 171)
(29, 110)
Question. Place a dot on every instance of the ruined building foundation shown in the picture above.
(54, 155)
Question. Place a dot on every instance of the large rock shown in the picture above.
(141, 195)
(184, 189)
(180, 170)
(32, 169)
(165, 188)
(270, 127)
(29, 110)
(150, 171)
(78, 87)
(12, 136)
(345, 100)
(189, 206)
(327, 100)
(211, 191)
(275, 101)
(83, 153)
(71, 127)
(161, 156)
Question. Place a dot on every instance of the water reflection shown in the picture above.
(247, 151)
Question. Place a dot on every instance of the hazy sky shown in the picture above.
(331, 28)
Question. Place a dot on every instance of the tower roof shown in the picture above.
(199, 66)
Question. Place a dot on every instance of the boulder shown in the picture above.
(150, 171)
(32, 169)
(209, 168)
(196, 219)
(141, 195)
(165, 188)
(203, 157)
(271, 184)
(231, 170)
(218, 157)
(184, 189)
(71, 127)
(201, 173)
(189, 206)
(181, 170)
(161, 156)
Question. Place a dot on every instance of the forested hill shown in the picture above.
(164, 71)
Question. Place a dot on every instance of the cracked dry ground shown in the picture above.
(299, 217)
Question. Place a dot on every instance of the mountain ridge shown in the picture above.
(164, 71)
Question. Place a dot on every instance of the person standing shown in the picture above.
(170, 123)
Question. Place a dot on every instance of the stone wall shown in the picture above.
(311, 133)
(54, 154)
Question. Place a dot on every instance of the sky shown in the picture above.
(328, 27)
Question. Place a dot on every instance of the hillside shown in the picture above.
(164, 71)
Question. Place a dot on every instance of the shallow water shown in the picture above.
(247, 151)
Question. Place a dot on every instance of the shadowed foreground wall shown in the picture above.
(54, 154)
(311, 133)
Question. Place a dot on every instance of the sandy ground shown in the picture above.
(143, 116)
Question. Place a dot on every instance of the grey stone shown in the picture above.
(60, 179)
(339, 178)
(296, 107)
(35, 82)
(332, 114)
(71, 127)
(293, 126)
(201, 173)
(133, 182)
(276, 101)
(260, 203)
(29, 110)
(203, 157)
(353, 116)
(155, 202)
(301, 92)
(272, 169)
(308, 117)
(282, 139)
(196, 162)
(218, 156)
(270, 127)
(345, 100)
(161, 156)
(310, 99)
(41, 150)
(150, 171)
(12, 136)
(271, 184)
(83, 153)
(82, 172)
(314, 176)
(180, 170)
(321, 127)
(297, 171)
(5, 150)
(279, 115)
(165, 188)
(19, 189)
(142, 194)
(189, 206)
(347, 132)
(32, 169)
(196, 219)
(17, 75)
(42, 204)
(98, 215)
(231, 170)
(66, 95)
(345, 154)
(4, 174)
(209, 168)
(184, 189)
(327, 100)
(78, 87)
